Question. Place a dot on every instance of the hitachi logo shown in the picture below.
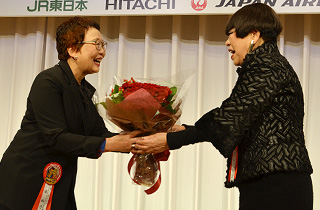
(139, 4)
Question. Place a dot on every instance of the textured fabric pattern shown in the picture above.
(263, 117)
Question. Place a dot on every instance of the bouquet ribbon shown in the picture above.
(163, 156)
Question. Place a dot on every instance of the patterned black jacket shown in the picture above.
(263, 118)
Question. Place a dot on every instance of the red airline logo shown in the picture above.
(200, 5)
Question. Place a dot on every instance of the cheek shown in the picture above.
(93, 54)
(242, 52)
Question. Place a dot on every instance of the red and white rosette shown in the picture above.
(51, 175)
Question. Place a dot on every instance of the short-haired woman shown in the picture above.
(61, 124)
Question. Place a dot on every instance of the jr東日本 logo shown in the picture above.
(200, 5)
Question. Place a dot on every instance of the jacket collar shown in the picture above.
(75, 89)
(265, 48)
(72, 80)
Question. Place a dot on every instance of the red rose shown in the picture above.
(160, 93)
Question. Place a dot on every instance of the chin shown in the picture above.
(236, 63)
(95, 70)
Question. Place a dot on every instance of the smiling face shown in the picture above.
(86, 60)
(238, 47)
(89, 58)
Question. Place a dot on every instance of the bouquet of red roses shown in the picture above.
(143, 106)
(148, 106)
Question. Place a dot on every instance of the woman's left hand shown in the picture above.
(121, 142)
(155, 143)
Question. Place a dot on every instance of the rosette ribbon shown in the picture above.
(51, 175)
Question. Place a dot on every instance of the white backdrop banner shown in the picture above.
(27, 8)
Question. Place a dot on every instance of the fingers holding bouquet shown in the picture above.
(152, 144)
(122, 142)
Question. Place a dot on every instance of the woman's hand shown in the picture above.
(155, 143)
(121, 142)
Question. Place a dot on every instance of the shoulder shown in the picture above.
(50, 77)
(268, 71)
(50, 72)
(278, 66)
(270, 64)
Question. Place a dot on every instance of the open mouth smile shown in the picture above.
(97, 61)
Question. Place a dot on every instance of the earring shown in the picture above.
(75, 58)
(251, 46)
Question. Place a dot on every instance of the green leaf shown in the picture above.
(169, 106)
(116, 89)
(103, 104)
(174, 91)
(117, 97)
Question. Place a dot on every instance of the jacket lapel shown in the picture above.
(74, 87)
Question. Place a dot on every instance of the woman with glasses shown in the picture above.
(61, 124)
(259, 127)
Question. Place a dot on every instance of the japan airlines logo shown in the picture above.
(200, 5)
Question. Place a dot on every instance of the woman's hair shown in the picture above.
(253, 17)
(71, 33)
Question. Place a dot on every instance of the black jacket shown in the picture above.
(60, 124)
(263, 117)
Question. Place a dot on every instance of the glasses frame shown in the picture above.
(98, 43)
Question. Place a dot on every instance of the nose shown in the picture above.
(102, 51)
(227, 42)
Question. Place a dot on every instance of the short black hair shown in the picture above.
(258, 16)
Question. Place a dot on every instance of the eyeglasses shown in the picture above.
(98, 43)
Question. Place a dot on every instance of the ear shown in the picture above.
(255, 35)
(72, 52)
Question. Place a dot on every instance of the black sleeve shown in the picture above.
(178, 139)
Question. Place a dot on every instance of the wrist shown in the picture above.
(102, 147)
(108, 145)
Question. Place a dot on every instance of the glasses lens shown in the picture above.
(100, 44)
(103, 44)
